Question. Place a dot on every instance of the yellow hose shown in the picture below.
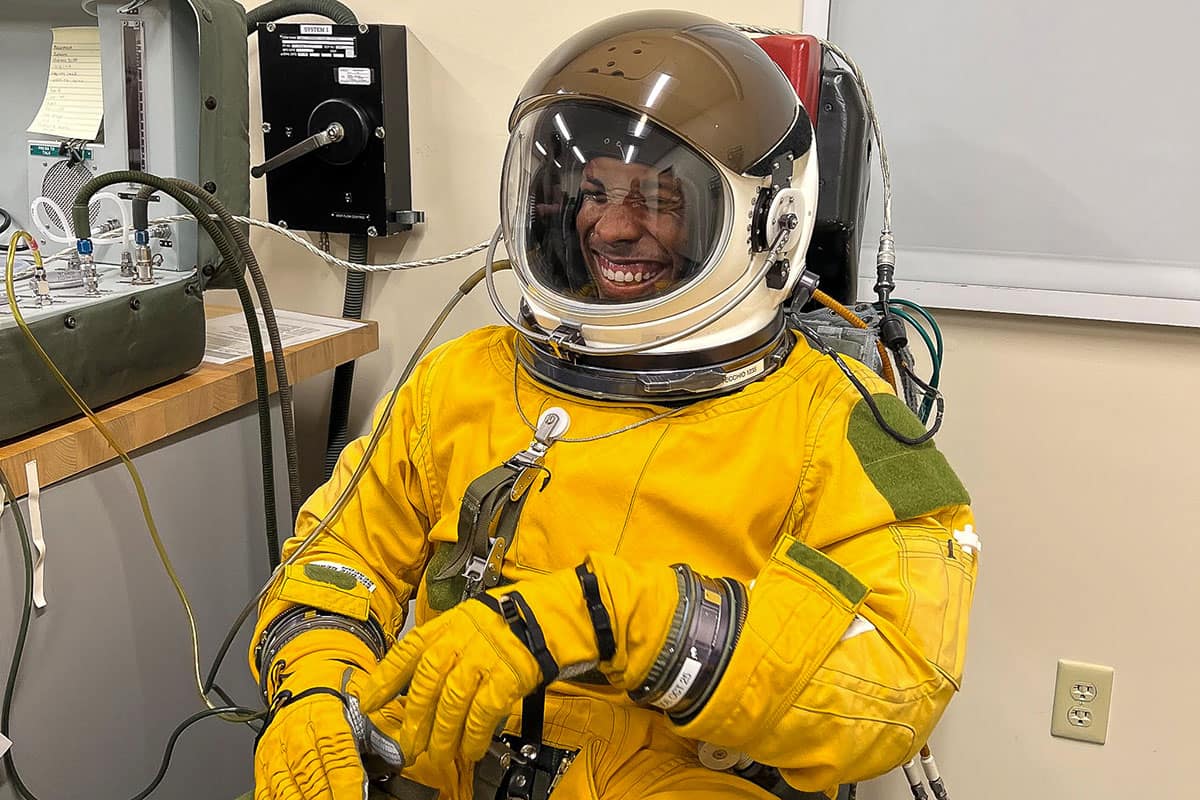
(112, 442)
(858, 322)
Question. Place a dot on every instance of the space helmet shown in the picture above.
(657, 198)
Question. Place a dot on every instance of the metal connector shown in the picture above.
(144, 264)
(91, 278)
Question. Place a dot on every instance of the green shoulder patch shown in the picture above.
(324, 574)
(914, 479)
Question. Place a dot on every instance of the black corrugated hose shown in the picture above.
(343, 376)
(278, 9)
(83, 229)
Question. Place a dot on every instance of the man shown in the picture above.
(716, 564)
(632, 223)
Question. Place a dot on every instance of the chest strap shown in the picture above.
(488, 516)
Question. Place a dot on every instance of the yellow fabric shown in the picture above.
(308, 750)
(308, 585)
(719, 485)
(468, 669)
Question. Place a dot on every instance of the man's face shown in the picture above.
(632, 228)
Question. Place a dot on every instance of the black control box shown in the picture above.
(351, 80)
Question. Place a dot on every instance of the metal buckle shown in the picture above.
(484, 573)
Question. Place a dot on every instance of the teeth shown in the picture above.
(622, 276)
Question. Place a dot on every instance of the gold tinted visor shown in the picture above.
(697, 77)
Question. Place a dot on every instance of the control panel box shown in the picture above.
(335, 127)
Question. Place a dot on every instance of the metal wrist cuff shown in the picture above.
(301, 619)
(736, 606)
(655, 685)
(698, 647)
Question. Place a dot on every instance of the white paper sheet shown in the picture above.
(228, 338)
(74, 103)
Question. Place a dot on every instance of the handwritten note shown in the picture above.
(74, 103)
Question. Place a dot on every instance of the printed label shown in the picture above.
(52, 151)
(316, 30)
(354, 76)
(333, 566)
(683, 681)
(745, 373)
(317, 46)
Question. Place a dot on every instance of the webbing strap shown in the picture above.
(482, 501)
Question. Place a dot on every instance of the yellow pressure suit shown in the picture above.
(851, 545)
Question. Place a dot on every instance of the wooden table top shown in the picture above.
(206, 392)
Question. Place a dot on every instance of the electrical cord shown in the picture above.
(935, 360)
(247, 715)
(351, 486)
(924, 313)
(936, 350)
(113, 443)
(353, 267)
(328, 258)
(858, 322)
(22, 632)
(815, 342)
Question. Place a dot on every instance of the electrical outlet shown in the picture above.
(1082, 696)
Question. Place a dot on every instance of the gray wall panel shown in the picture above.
(107, 672)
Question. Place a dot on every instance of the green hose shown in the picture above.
(83, 230)
(264, 300)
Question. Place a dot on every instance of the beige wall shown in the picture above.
(1075, 438)
(1078, 443)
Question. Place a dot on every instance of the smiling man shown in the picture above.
(656, 546)
(624, 210)
(632, 227)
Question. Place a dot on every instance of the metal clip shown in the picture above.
(552, 424)
(484, 573)
(494, 563)
(562, 335)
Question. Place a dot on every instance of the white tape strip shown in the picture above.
(4, 744)
(39, 544)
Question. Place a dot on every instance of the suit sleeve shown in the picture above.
(367, 562)
(855, 636)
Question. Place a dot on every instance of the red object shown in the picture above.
(800, 59)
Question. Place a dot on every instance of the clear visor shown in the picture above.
(602, 206)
